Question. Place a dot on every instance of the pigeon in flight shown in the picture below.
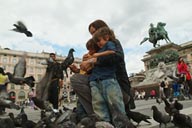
(68, 61)
(20, 27)
(19, 72)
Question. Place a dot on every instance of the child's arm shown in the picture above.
(104, 53)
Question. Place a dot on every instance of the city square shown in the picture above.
(95, 64)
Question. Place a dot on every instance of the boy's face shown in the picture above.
(101, 42)
(53, 57)
(91, 51)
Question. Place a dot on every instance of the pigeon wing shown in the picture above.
(21, 25)
(20, 68)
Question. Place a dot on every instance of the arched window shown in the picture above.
(21, 95)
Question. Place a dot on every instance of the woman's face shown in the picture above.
(181, 59)
(92, 30)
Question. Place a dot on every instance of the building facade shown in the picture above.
(9, 58)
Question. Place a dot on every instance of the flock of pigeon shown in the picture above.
(173, 114)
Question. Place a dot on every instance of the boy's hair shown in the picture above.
(104, 32)
(91, 44)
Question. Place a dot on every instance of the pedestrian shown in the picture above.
(176, 88)
(166, 87)
(3, 86)
(56, 82)
(153, 93)
(185, 76)
(161, 89)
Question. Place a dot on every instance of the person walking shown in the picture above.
(3, 86)
(56, 82)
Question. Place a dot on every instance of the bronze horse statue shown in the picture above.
(156, 34)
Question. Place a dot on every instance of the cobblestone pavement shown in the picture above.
(142, 106)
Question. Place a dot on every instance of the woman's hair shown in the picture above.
(179, 60)
(104, 32)
(91, 44)
(97, 24)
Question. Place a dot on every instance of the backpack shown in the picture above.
(162, 84)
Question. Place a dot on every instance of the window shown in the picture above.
(14, 60)
(39, 77)
(31, 70)
(12, 86)
(4, 60)
(22, 87)
(21, 95)
(32, 62)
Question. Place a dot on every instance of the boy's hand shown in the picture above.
(74, 68)
(86, 57)
(85, 65)
(95, 55)
(61, 83)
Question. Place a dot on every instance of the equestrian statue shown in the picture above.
(156, 34)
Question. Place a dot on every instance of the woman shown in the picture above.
(185, 76)
(3, 82)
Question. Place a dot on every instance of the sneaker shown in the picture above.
(55, 110)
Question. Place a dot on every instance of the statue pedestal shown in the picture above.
(159, 63)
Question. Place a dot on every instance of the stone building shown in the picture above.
(9, 58)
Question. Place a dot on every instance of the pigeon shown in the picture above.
(25, 123)
(41, 104)
(43, 114)
(20, 27)
(102, 124)
(160, 117)
(68, 61)
(178, 105)
(19, 72)
(158, 101)
(6, 123)
(67, 124)
(182, 120)
(8, 104)
(168, 107)
(138, 117)
(89, 121)
(16, 121)
(119, 119)
(64, 117)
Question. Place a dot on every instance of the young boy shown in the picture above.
(105, 89)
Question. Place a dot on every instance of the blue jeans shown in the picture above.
(105, 93)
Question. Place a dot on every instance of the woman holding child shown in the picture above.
(100, 81)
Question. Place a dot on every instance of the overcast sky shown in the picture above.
(58, 25)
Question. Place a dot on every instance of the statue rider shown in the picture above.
(152, 32)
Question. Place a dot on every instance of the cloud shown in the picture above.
(58, 25)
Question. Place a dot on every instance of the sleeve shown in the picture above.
(113, 58)
(61, 72)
